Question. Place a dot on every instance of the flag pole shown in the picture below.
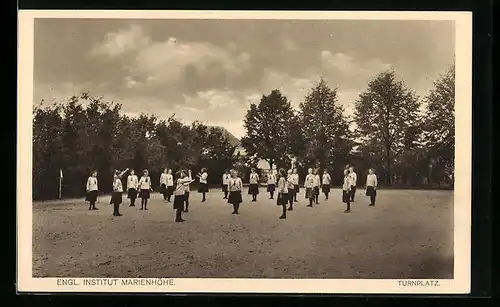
(60, 183)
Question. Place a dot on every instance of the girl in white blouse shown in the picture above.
(180, 194)
(371, 186)
(163, 184)
(187, 189)
(309, 185)
(116, 195)
(291, 189)
(235, 187)
(326, 184)
(253, 189)
(170, 185)
(203, 187)
(225, 183)
(282, 192)
(295, 179)
(346, 191)
(271, 183)
(92, 190)
(132, 185)
(317, 184)
(144, 189)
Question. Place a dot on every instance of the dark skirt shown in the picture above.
(316, 190)
(116, 198)
(291, 196)
(179, 201)
(253, 189)
(170, 191)
(144, 193)
(371, 191)
(91, 196)
(271, 187)
(326, 188)
(163, 188)
(132, 193)
(309, 193)
(346, 196)
(235, 197)
(224, 188)
(296, 188)
(203, 188)
(282, 199)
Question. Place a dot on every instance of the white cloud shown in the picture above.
(348, 66)
(165, 62)
(122, 41)
(295, 89)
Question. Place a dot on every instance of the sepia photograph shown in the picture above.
(306, 152)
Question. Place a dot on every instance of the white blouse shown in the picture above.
(203, 178)
(317, 180)
(282, 186)
(163, 179)
(180, 188)
(271, 179)
(170, 180)
(326, 178)
(132, 182)
(353, 178)
(309, 182)
(290, 182)
(235, 184)
(145, 183)
(225, 179)
(371, 180)
(117, 185)
(254, 178)
(92, 184)
(295, 179)
(347, 183)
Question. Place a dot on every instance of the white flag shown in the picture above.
(60, 173)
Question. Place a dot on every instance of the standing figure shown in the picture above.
(132, 185)
(271, 183)
(225, 182)
(92, 190)
(203, 187)
(371, 186)
(291, 189)
(253, 189)
(317, 184)
(187, 189)
(346, 191)
(282, 192)
(235, 188)
(116, 195)
(295, 180)
(353, 178)
(326, 184)
(180, 194)
(170, 185)
(144, 189)
(309, 186)
(163, 184)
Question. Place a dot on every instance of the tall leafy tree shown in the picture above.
(388, 119)
(271, 129)
(439, 123)
(325, 128)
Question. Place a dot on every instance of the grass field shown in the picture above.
(407, 235)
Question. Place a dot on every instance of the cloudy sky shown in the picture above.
(211, 70)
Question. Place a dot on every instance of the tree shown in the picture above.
(325, 128)
(439, 123)
(271, 129)
(387, 118)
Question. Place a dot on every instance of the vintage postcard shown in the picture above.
(244, 152)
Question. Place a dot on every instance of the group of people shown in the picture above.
(284, 183)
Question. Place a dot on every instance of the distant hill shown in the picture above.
(234, 141)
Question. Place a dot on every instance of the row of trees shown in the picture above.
(77, 139)
(391, 132)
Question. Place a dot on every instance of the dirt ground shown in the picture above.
(408, 234)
